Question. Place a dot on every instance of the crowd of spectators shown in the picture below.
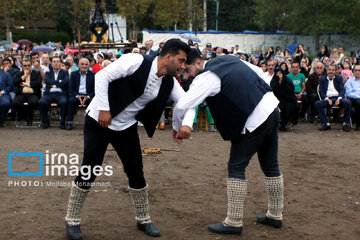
(302, 83)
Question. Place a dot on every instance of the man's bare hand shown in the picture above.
(184, 132)
(104, 119)
(337, 102)
(329, 101)
(175, 138)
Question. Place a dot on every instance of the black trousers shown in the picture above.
(26, 112)
(264, 142)
(126, 144)
(356, 105)
(44, 102)
(72, 104)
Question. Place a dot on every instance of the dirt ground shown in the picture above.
(188, 187)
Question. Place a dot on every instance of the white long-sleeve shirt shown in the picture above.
(208, 84)
(121, 68)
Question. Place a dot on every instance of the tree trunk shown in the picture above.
(78, 34)
(7, 22)
(317, 42)
(205, 17)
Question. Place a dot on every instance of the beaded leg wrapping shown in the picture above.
(76, 201)
(275, 192)
(141, 203)
(236, 192)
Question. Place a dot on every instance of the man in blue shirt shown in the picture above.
(5, 101)
(353, 93)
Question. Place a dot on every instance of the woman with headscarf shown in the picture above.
(324, 52)
(283, 89)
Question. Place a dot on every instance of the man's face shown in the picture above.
(45, 59)
(70, 60)
(295, 68)
(147, 45)
(192, 70)
(176, 64)
(357, 71)
(26, 65)
(319, 69)
(270, 66)
(6, 63)
(84, 65)
(55, 63)
(331, 71)
(35, 58)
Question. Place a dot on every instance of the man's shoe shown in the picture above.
(325, 127)
(222, 228)
(73, 231)
(62, 126)
(212, 128)
(69, 126)
(148, 227)
(1, 124)
(268, 221)
(346, 128)
(358, 127)
(45, 125)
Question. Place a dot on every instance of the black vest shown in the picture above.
(124, 91)
(241, 91)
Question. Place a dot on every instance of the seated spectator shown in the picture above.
(65, 66)
(208, 52)
(335, 58)
(6, 85)
(143, 50)
(73, 66)
(300, 53)
(257, 53)
(35, 60)
(326, 61)
(332, 93)
(27, 84)
(57, 82)
(298, 79)
(8, 67)
(270, 66)
(287, 55)
(263, 65)
(106, 63)
(324, 52)
(270, 53)
(81, 87)
(135, 50)
(45, 65)
(311, 87)
(353, 93)
(346, 73)
(236, 50)
(285, 68)
(279, 56)
(283, 89)
(100, 59)
(304, 67)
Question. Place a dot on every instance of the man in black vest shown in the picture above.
(133, 88)
(245, 112)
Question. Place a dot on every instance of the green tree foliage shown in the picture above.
(80, 13)
(307, 16)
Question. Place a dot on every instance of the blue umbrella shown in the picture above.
(43, 48)
(191, 36)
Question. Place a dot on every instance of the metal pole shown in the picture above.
(217, 15)
(205, 17)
